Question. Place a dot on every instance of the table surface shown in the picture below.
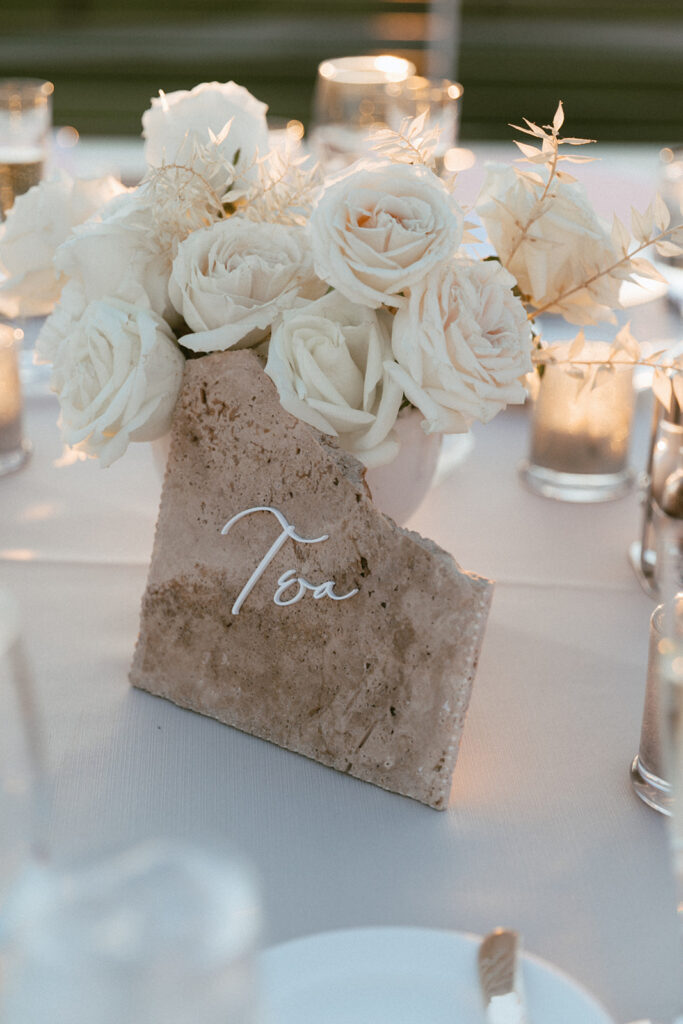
(543, 832)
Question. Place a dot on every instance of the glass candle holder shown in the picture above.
(667, 456)
(352, 96)
(25, 123)
(14, 448)
(580, 436)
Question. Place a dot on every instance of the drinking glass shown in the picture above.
(671, 190)
(23, 787)
(162, 933)
(25, 122)
(648, 772)
(14, 448)
(353, 95)
(671, 723)
(580, 436)
(159, 933)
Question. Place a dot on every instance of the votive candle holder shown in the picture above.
(580, 434)
(14, 448)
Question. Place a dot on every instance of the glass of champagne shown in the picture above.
(25, 123)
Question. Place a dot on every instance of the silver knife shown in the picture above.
(500, 978)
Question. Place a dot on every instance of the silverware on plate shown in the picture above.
(500, 978)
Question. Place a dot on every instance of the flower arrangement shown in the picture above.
(361, 294)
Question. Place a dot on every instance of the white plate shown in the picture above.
(403, 976)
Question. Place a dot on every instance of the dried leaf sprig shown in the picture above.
(413, 143)
(575, 359)
(547, 155)
(650, 228)
(187, 195)
(284, 192)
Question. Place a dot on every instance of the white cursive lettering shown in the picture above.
(289, 578)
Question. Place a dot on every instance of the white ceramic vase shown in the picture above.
(399, 488)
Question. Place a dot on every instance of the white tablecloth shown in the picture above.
(543, 832)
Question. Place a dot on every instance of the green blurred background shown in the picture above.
(617, 64)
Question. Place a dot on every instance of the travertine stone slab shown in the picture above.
(376, 684)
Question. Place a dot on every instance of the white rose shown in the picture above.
(380, 227)
(231, 281)
(117, 377)
(39, 221)
(175, 118)
(118, 254)
(462, 345)
(327, 362)
(567, 245)
(60, 323)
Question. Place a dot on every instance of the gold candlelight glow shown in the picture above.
(367, 70)
(13, 449)
(580, 434)
(25, 121)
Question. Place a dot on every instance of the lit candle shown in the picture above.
(353, 95)
(580, 435)
(13, 449)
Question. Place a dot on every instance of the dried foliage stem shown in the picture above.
(413, 143)
(161, 173)
(601, 273)
(524, 231)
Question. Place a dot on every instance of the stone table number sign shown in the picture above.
(282, 602)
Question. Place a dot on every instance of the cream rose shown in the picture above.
(380, 227)
(567, 244)
(36, 226)
(231, 280)
(462, 345)
(118, 254)
(327, 361)
(60, 323)
(117, 376)
(176, 118)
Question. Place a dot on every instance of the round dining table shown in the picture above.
(543, 832)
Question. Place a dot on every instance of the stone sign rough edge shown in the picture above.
(228, 410)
